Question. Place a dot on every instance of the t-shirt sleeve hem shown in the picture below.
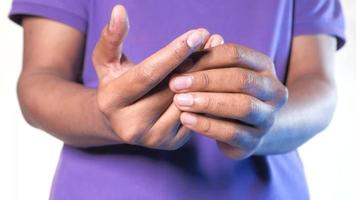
(313, 28)
(21, 9)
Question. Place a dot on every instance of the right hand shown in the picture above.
(135, 98)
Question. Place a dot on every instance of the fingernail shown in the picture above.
(182, 82)
(195, 40)
(184, 99)
(217, 42)
(113, 24)
(189, 119)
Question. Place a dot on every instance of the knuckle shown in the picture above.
(179, 141)
(146, 75)
(108, 38)
(283, 96)
(269, 62)
(130, 137)
(249, 107)
(131, 134)
(105, 103)
(205, 126)
(179, 52)
(239, 138)
(155, 140)
(255, 108)
(233, 51)
(262, 114)
(221, 106)
(204, 80)
(266, 86)
(267, 124)
(248, 80)
(208, 104)
(233, 136)
(265, 119)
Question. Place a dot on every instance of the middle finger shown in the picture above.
(231, 79)
(237, 106)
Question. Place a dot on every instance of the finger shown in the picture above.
(166, 133)
(182, 137)
(108, 48)
(226, 80)
(232, 55)
(237, 135)
(188, 64)
(146, 75)
(214, 40)
(234, 152)
(232, 106)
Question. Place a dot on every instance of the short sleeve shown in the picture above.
(70, 12)
(319, 17)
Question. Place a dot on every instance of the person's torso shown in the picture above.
(198, 169)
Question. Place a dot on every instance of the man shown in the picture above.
(203, 117)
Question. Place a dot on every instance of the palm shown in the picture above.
(154, 112)
(136, 98)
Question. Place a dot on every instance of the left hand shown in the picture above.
(232, 100)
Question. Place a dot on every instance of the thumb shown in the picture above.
(108, 49)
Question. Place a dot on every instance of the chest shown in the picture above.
(263, 25)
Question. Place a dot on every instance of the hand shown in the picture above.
(234, 100)
(134, 98)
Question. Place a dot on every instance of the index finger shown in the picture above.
(143, 77)
(228, 55)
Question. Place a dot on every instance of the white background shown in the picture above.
(28, 156)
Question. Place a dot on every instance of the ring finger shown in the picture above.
(237, 106)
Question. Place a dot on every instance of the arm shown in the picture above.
(49, 96)
(312, 95)
(51, 99)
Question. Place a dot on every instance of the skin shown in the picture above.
(237, 98)
(126, 89)
(108, 115)
(245, 104)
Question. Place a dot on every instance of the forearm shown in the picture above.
(64, 109)
(308, 111)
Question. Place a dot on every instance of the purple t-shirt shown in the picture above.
(198, 170)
